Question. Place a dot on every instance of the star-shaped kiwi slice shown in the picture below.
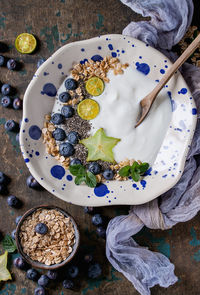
(100, 146)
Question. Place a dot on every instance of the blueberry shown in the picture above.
(66, 149)
(17, 103)
(73, 271)
(3, 189)
(2, 60)
(13, 233)
(40, 62)
(41, 228)
(94, 271)
(71, 84)
(101, 231)
(13, 202)
(52, 274)
(5, 89)
(89, 210)
(59, 134)
(97, 219)
(73, 137)
(108, 174)
(11, 125)
(6, 101)
(32, 183)
(64, 97)
(67, 111)
(32, 274)
(3, 178)
(68, 284)
(11, 64)
(43, 281)
(57, 119)
(17, 137)
(88, 258)
(39, 291)
(75, 162)
(20, 263)
(94, 168)
(17, 219)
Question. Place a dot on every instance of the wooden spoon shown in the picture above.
(148, 100)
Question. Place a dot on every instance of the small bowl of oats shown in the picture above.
(47, 237)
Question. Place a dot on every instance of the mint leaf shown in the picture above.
(77, 170)
(135, 176)
(135, 166)
(124, 171)
(79, 179)
(143, 168)
(9, 244)
(90, 179)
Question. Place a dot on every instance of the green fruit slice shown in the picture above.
(100, 146)
(4, 273)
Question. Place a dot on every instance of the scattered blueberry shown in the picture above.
(11, 64)
(32, 183)
(43, 281)
(6, 101)
(17, 219)
(11, 125)
(17, 137)
(59, 134)
(73, 137)
(68, 284)
(17, 103)
(73, 271)
(13, 234)
(3, 178)
(20, 263)
(13, 202)
(52, 274)
(41, 228)
(71, 84)
(3, 189)
(75, 161)
(88, 258)
(57, 119)
(101, 231)
(2, 60)
(108, 174)
(94, 271)
(66, 149)
(40, 62)
(67, 111)
(5, 89)
(97, 219)
(32, 274)
(64, 97)
(89, 210)
(39, 291)
(94, 168)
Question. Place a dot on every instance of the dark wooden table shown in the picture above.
(55, 23)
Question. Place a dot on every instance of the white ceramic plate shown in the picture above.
(39, 100)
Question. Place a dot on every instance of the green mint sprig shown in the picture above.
(135, 171)
(82, 175)
(9, 244)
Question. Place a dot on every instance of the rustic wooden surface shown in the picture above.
(57, 22)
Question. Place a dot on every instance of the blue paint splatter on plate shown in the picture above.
(143, 68)
(57, 171)
(49, 89)
(101, 190)
(35, 132)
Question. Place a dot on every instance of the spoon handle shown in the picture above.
(184, 56)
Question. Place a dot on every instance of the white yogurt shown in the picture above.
(119, 111)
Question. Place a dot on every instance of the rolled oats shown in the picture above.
(53, 247)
